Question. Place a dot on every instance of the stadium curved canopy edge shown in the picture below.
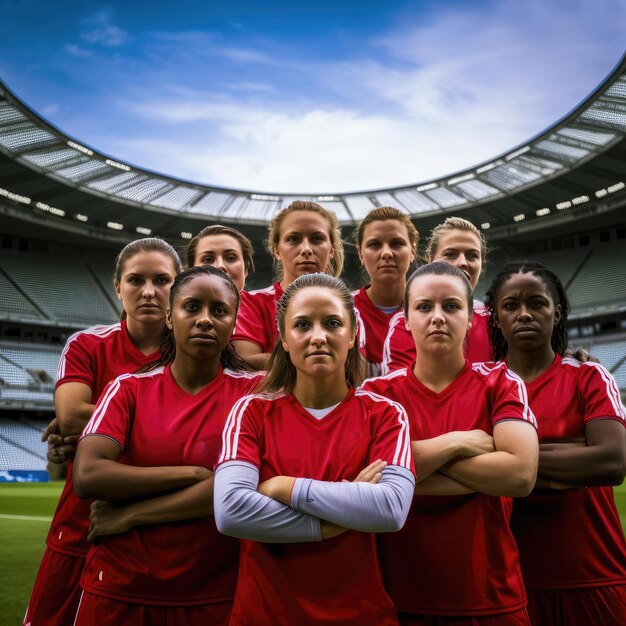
(595, 126)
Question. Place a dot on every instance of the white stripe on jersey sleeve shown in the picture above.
(361, 328)
(243, 374)
(232, 428)
(528, 415)
(486, 368)
(271, 289)
(109, 394)
(100, 410)
(395, 320)
(402, 453)
(96, 331)
(612, 390)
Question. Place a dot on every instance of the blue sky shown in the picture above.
(307, 97)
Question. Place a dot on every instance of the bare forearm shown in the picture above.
(73, 421)
(187, 503)
(431, 454)
(584, 466)
(252, 354)
(496, 474)
(438, 484)
(104, 479)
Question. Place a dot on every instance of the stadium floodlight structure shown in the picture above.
(577, 161)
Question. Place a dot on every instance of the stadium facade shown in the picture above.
(66, 209)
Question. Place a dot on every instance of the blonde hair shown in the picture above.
(383, 213)
(448, 225)
(335, 265)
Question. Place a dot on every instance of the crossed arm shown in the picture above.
(462, 462)
(599, 460)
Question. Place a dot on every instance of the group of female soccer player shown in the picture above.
(240, 464)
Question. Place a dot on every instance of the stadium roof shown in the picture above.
(577, 163)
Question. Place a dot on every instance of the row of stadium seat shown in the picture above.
(78, 292)
(21, 447)
(594, 275)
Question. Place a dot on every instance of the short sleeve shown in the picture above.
(114, 411)
(599, 393)
(391, 437)
(76, 362)
(399, 348)
(509, 397)
(242, 432)
(252, 323)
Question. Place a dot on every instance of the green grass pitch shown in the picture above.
(25, 513)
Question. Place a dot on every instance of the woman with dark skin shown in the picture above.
(152, 441)
(571, 543)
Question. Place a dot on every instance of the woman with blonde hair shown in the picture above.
(303, 238)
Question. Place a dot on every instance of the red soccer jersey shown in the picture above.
(157, 423)
(373, 328)
(399, 348)
(571, 538)
(456, 554)
(256, 318)
(336, 581)
(93, 357)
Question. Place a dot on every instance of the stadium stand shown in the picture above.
(57, 285)
(66, 210)
(599, 284)
(21, 446)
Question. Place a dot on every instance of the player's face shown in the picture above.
(304, 245)
(144, 286)
(203, 316)
(223, 252)
(318, 333)
(525, 312)
(438, 317)
(386, 251)
(462, 249)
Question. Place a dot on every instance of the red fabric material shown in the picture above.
(399, 348)
(56, 591)
(336, 581)
(106, 612)
(463, 544)
(571, 538)
(158, 424)
(256, 318)
(373, 328)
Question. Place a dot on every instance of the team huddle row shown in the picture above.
(302, 455)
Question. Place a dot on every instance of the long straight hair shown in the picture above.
(282, 373)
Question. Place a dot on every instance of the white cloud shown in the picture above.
(438, 97)
(77, 51)
(50, 109)
(99, 29)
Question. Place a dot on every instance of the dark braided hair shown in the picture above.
(554, 286)
(228, 357)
